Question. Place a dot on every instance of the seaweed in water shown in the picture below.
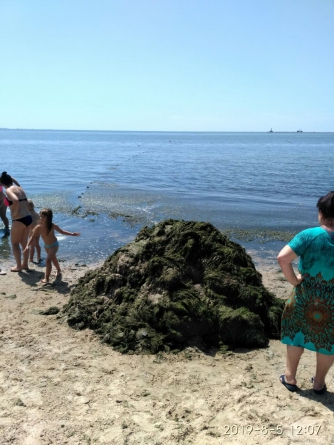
(179, 283)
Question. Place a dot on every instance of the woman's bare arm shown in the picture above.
(11, 195)
(15, 181)
(285, 259)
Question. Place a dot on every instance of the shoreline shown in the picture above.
(264, 261)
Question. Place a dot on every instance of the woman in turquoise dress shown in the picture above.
(308, 317)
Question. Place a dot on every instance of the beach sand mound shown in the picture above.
(179, 283)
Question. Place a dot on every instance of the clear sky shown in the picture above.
(165, 65)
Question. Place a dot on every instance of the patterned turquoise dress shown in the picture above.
(308, 317)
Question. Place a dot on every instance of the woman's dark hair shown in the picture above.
(49, 215)
(325, 205)
(6, 179)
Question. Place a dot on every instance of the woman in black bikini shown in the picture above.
(21, 220)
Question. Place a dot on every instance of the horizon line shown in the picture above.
(161, 131)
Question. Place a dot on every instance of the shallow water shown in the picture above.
(260, 187)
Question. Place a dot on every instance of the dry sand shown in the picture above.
(61, 386)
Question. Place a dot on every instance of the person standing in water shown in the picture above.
(46, 229)
(3, 207)
(35, 244)
(21, 220)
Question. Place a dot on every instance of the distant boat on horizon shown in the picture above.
(299, 131)
(271, 131)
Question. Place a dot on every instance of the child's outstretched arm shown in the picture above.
(35, 234)
(65, 232)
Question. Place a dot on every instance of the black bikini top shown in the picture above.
(11, 202)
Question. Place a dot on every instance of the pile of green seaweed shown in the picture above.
(179, 283)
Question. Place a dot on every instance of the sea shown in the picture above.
(258, 188)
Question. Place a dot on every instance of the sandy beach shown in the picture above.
(61, 386)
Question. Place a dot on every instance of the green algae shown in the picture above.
(178, 283)
(259, 235)
(52, 310)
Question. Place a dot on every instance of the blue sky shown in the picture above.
(167, 65)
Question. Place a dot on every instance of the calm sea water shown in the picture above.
(107, 185)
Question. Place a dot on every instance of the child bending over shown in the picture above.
(46, 229)
(35, 242)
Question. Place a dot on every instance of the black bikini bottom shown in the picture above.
(27, 220)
